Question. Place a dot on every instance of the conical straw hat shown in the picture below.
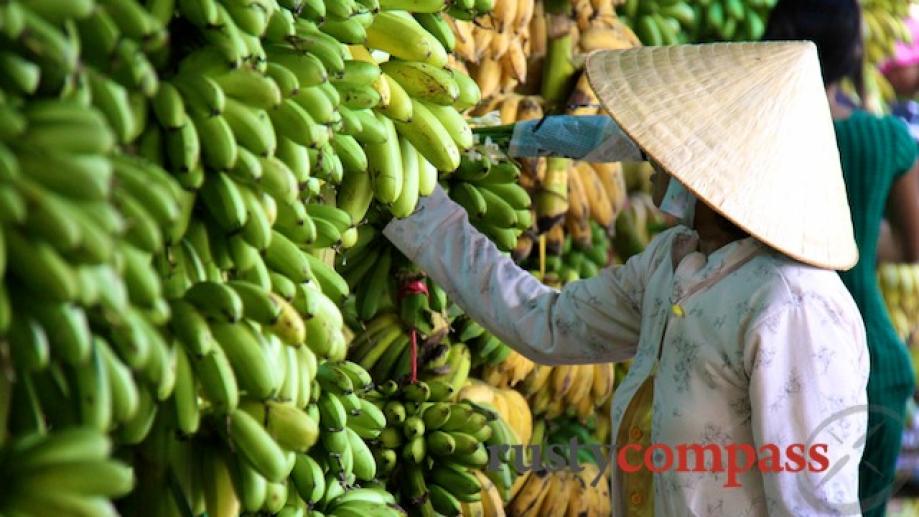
(747, 128)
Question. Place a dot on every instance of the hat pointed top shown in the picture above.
(747, 128)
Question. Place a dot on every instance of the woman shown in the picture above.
(902, 72)
(879, 166)
(739, 351)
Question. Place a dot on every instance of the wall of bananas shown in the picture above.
(198, 312)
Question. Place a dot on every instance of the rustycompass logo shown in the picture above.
(731, 459)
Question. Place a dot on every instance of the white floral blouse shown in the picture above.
(754, 348)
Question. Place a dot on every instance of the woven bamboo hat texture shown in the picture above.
(747, 128)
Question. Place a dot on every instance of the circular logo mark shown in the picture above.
(833, 432)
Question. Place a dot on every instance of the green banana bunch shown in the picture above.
(658, 22)
(68, 470)
(168, 210)
(486, 187)
(84, 306)
(434, 441)
(485, 347)
(469, 10)
(574, 261)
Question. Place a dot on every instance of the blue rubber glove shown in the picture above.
(592, 138)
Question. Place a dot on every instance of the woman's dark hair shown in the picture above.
(835, 26)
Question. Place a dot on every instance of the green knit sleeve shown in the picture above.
(904, 146)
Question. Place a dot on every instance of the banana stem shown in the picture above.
(493, 131)
(559, 73)
(558, 7)
(542, 256)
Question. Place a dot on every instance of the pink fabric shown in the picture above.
(905, 53)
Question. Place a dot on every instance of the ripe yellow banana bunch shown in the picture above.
(569, 389)
(878, 91)
(563, 493)
(600, 28)
(511, 107)
(884, 27)
(491, 503)
(900, 287)
(508, 373)
(496, 48)
(509, 403)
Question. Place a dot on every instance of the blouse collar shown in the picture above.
(691, 267)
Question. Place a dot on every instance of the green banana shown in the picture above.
(291, 120)
(218, 145)
(216, 300)
(278, 180)
(38, 265)
(350, 31)
(385, 164)
(333, 416)
(430, 138)
(307, 67)
(423, 81)
(352, 155)
(296, 157)
(405, 204)
(259, 305)
(224, 201)
(404, 38)
(257, 446)
(283, 256)
(443, 500)
(284, 79)
(469, 92)
(185, 396)
(373, 128)
(217, 380)
(454, 123)
(316, 103)
(308, 479)
(470, 198)
(183, 147)
(248, 357)
(252, 127)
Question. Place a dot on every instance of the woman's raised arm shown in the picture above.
(589, 321)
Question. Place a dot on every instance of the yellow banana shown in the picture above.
(528, 501)
(508, 109)
(488, 76)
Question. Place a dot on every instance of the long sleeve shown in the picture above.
(808, 366)
(592, 320)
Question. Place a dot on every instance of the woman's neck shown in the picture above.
(714, 230)
(837, 110)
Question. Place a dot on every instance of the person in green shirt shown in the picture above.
(878, 157)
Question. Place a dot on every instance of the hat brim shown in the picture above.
(640, 89)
